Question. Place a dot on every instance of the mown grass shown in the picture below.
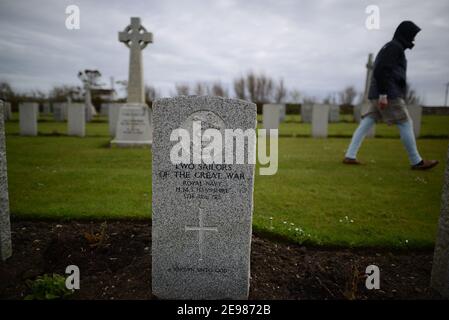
(312, 199)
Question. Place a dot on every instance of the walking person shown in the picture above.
(387, 93)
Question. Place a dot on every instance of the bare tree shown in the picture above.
(219, 90)
(201, 89)
(259, 87)
(264, 88)
(239, 88)
(91, 78)
(151, 93)
(280, 92)
(348, 95)
(330, 99)
(295, 96)
(251, 86)
(182, 89)
(61, 93)
(309, 100)
(6, 92)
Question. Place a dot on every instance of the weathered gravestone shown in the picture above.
(271, 116)
(76, 120)
(5, 227)
(202, 213)
(415, 112)
(28, 113)
(113, 111)
(334, 113)
(320, 117)
(138, 132)
(440, 266)
(306, 112)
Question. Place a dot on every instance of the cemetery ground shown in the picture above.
(317, 223)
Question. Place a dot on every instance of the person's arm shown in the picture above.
(383, 71)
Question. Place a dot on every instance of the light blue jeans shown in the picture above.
(405, 130)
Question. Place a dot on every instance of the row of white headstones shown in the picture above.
(76, 115)
(319, 115)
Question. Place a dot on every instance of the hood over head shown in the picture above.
(405, 33)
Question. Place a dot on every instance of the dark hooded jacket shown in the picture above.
(390, 66)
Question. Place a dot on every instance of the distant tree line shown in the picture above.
(258, 88)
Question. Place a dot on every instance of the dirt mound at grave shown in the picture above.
(114, 258)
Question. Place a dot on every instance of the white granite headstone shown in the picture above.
(28, 114)
(76, 120)
(334, 113)
(320, 117)
(306, 112)
(59, 111)
(104, 110)
(271, 116)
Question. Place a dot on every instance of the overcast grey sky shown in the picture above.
(316, 46)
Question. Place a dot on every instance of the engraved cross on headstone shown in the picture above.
(136, 38)
(201, 230)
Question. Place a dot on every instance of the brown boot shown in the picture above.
(350, 161)
(425, 165)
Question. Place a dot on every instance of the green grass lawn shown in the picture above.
(312, 199)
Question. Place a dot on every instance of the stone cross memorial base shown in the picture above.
(133, 126)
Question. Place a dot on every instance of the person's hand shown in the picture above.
(383, 101)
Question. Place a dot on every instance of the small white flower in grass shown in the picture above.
(340, 220)
(292, 224)
(285, 222)
(406, 241)
(296, 229)
(352, 221)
